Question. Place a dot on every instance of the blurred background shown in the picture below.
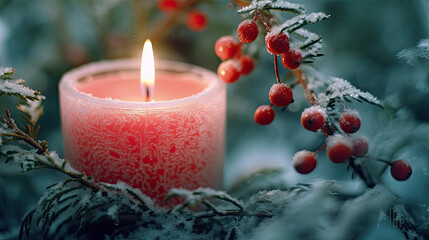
(45, 38)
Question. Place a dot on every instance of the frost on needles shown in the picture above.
(15, 87)
(340, 89)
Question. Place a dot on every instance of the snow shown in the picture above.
(273, 33)
(26, 158)
(127, 190)
(4, 129)
(351, 112)
(341, 88)
(300, 20)
(339, 139)
(309, 36)
(113, 212)
(34, 109)
(312, 51)
(202, 193)
(301, 154)
(269, 4)
(16, 87)
(5, 70)
(299, 8)
(313, 109)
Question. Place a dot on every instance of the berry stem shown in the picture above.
(276, 69)
(321, 148)
(262, 21)
(325, 132)
(384, 161)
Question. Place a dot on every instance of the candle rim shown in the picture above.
(71, 78)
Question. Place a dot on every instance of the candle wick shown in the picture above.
(147, 93)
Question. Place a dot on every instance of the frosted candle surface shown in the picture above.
(153, 146)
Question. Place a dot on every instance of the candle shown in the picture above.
(176, 140)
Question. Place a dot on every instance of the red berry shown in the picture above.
(360, 146)
(313, 118)
(350, 121)
(400, 170)
(264, 115)
(281, 95)
(247, 31)
(304, 161)
(339, 148)
(167, 5)
(197, 20)
(226, 47)
(291, 59)
(228, 71)
(247, 64)
(277, 43)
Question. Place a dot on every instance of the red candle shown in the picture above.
(176, 140)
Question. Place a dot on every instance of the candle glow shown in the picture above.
(147, 70)
(174, 141)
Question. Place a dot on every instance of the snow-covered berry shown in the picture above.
(264, 115)
(225, 47)
(339, 148)
(313, 118)
(247, 64)
(400, 170)
(281, 95)
(228, 71)
(247, 31)
(304, 161)
(291, 59)
(360, 146)
(350, 121)
(277, 43)
(197, 20)
(167, 5)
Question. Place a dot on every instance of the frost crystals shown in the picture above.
(16, 87)
(341, 88)
(273, 5)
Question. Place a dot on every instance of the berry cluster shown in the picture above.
(196, 20)
(236, 64)
(340, 147)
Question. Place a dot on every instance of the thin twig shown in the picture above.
(241, 3)
(276, 69)
(309, 94)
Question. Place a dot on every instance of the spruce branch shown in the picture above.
(9, 86)
(205, 197)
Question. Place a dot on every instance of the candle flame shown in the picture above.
(147, 70)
